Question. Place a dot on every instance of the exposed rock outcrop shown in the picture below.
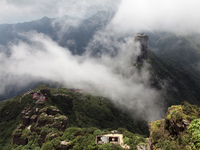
(176, 120)
(141, 147)
(44, 121)
(143, 39)
(27, 114)
(64, 145)
(33, 118)
(52, 110)
(175, 131)
(18, 139)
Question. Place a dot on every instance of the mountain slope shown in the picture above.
(70, 32)
(82, 110)
(178, 85)
(179, 130)
(173, 61)
(73, 117)
(181, 52)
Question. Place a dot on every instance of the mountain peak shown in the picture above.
(179, 129)
(142, 39)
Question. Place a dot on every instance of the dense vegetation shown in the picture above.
(175, 60)
(77, 138)
(177, 84)
(179, 130)
(173, 72)
(87, 110)
(9, 117)
(87, 115)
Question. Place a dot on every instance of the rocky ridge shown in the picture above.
(179, 130)
(38, 121)
(142, 39)
(43, 125)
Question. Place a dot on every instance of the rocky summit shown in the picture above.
(39, 121)
(178, 131)
(142, 39)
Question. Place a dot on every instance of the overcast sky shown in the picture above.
(138, 15)
(124, 85)
(169, 15)
(113, 77)
(13, 11)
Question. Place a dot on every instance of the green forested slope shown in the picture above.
(82, 110)
(179, 130)
(180, 85)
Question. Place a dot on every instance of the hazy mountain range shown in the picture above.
(88, 55)
(178, 54)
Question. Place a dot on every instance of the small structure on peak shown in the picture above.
(112, 138)
(39, 96)
(143, 39)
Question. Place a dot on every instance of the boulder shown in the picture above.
(62, 120)
(29, 128)
(177, 127)
(33, 119)
(52, 110)
(43, 110)
(148, 144)
(28, 113)
(63, 145)
(37, 110)
(26, 110)
(58, 125)
(141, 147)
(185, 122)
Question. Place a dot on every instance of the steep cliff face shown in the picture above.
(143, 39)
(178, 131)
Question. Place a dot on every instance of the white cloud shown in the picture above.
(180, 16)
(112, 74)
(12, 11)
(112, 77)
(19, 11)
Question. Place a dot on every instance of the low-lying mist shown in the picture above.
(111, 76)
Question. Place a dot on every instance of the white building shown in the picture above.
(111, 138)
